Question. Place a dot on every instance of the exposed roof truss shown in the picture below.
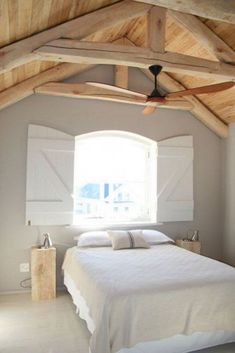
(73, 47)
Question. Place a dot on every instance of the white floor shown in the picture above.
(41, 327)
(48, 327)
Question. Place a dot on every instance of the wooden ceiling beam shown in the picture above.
(120, 71)
(204, 35)
(220, 10)
(199, 110)
(156, 28)
(84, 91)
(20, 52)
(26, 88)
(121, 76)
(74, 51)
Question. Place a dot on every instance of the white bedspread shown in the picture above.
(144, 295)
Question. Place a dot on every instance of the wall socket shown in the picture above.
(24, 267)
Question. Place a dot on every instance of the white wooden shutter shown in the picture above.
(175, 179)
(50, 171)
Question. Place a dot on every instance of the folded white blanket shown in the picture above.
(148, 294)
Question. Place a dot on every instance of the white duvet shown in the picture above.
(143, 295)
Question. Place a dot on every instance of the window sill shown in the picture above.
(87, 226)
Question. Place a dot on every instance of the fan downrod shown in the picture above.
(155, 70)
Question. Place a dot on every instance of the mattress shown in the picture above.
(143, 297)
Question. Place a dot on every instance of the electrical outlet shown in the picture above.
(24, 267)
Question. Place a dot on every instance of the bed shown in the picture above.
(164, 298)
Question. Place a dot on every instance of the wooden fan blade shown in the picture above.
(149, 109)
(82, 90)
(115, 88)
(156, 99)
(202, 90)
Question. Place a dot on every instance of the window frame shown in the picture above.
(151, 182)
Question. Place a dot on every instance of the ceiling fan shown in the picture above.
(156, 98)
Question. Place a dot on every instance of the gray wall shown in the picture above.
(229, 185)
(78, 117)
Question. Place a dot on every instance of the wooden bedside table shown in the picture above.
(43, 273)
(194, 246)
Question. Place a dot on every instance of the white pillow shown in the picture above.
(93, 239)
(101, 238)
(122, 239)
(155, 237)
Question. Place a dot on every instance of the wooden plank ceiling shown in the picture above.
(21, 18)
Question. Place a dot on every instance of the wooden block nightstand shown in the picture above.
(43, 273)
(194, 246)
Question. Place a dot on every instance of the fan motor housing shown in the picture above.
(155, 69)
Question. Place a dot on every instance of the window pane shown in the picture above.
(105, 155)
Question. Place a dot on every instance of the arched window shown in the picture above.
(115, 178)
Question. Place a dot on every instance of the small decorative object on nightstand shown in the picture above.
(47, 241)
(194, 246)
(43, 273)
